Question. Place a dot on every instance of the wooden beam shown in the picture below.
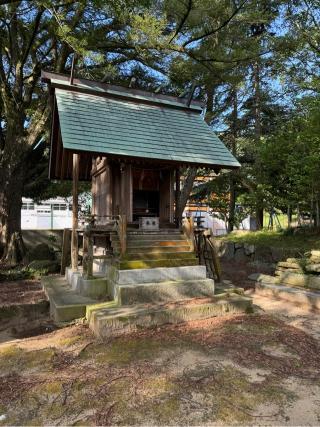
(74, 237)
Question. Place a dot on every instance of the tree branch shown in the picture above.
(216, 30)
(182, 22)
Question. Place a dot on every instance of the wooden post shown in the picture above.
(65, 256)
(178, 214)
(74, 236)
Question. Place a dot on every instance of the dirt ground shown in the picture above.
(238, 272)
(260, 369)
(21, 292)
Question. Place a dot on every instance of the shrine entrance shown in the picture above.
(151, 191)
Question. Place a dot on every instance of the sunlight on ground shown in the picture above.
(240, 369)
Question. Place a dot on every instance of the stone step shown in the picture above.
(149, 237)
(164, 292)
(156, 249)
(160, 274)
(157, 255)
(152, 243)
(154, 263)
(139, 232)
(108, 322)
(307, 299)
(65, 304)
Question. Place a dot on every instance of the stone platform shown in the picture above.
(157, 286)
(106, 322)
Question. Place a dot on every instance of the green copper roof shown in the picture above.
(121, 127)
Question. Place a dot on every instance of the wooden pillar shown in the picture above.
(123, 200)
(74, 236)
(178, 214)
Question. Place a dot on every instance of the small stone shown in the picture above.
(238, 246)
(313, 268)
(248, 249)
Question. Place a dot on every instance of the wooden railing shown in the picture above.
(98, 226)
(207, 253)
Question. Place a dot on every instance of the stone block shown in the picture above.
(161, 274)
(293, 279)
(227, 250)
(106, 323)
(291, 265)
(313, 282)
(73, 278)
(313, 268)
(170, 291)
(263, 254)
(310, 300)
(248, 249)
(238, 246)
(93, 288)
(240, 255)
(262, 278)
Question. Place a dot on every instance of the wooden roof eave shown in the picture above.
(63, 170)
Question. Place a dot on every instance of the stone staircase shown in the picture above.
(165, 248)
(158, 281)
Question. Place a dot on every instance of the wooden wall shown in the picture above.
(112, 189)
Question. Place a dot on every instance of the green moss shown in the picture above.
(276, 239)
(69, 341)
(53, 387)
(124, 350)
(14, 359)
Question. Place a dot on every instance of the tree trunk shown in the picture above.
(185, 191)
(10, 228)
(289, 215)
(11, 189)
(192, 172)
(232, 199)
(259, 218)
(257, 130)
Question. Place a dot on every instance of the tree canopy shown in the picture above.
(255, 62)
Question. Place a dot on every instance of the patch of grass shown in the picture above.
(276, 239)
